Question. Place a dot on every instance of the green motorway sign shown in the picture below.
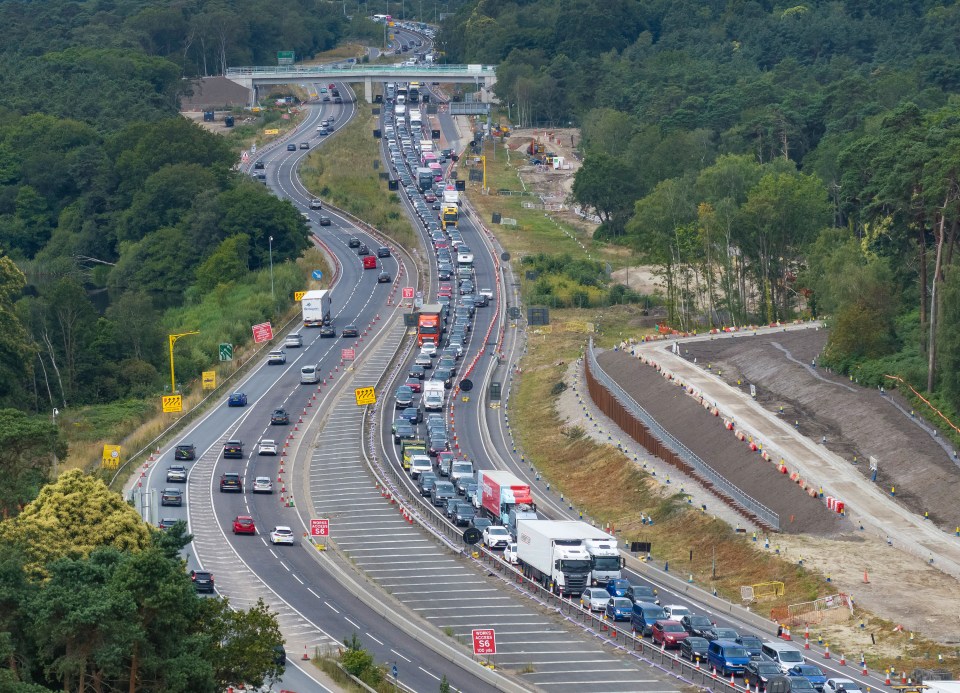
(226, 352)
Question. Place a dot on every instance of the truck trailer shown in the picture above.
(553, 554)
(499, 492)
(317, 308)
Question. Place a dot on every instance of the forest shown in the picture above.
(772, 161)
(119, 219)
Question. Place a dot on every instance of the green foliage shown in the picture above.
(360, 663)
(28, 446)
(71, 518)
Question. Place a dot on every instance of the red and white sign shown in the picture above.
(262, 332)
(320, 528)
(484, 641)
(348, 354)
(407, 292)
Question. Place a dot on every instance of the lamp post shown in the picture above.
(173, 340)
(273, 296)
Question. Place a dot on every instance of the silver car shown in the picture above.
(594, 599)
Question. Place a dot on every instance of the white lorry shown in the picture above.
(433, 394)
(552, 553)
(450, 195)
(317, 308)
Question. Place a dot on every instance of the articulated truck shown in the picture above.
(316, 308)
(553, 554)
(500, 492)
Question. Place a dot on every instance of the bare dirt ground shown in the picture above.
(857, 423)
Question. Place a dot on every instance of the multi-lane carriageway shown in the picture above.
(427, 575)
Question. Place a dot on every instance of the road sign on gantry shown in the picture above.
(365, 396)
(484, 641)
(262, 332)
(319, 527)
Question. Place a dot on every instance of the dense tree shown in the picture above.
(70, 518)
(29, 446)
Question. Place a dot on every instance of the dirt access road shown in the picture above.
(857, 423)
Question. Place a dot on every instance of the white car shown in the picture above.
(496, 536)
(675, 612)
(510, 553)
(464, 255)
(262, 484)
(429, 349)
(420, 464)
(276, 358)
(267, 446)
(594, 599)
(281, 535)
(838, 685)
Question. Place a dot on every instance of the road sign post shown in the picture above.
(172, 404)
(484, 641)
(209, 380)
(226, 352)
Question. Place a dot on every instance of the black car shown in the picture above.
(427, 482)
(350, 331)
(233, 449)
(384, 278)
(403, 430)
(696, 625)
(481, 523)
(752, 644)
(354, 242)
(642, 593)
(325, 221)
(363, 250)
(258, 164)
(202, 580)
(417, 372)
(464, 514)
(694, 648)
(445, 375)
(185, 451)
(718, 633)
(383, 251)
(450, 509)
(412, 414)
(760, 671)
(279, 417)
(327, 331)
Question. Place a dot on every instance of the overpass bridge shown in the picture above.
(253, 77)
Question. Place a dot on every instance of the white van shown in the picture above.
(309, 375)
(784, 655)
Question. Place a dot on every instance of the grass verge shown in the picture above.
(346, 171)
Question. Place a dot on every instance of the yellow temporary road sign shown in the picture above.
(209, 380)
(273, 131)
(298, 295)
(365, 396)
(172, 404)
(111, 457)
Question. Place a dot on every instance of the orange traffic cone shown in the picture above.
(866, 578)
(886, 680)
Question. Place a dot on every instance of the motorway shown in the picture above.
(314, 611)
(433, 582)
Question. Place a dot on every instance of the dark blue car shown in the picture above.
(619, 609)
(618, 587)
(237, 399)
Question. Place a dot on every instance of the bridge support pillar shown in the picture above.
(368, 89)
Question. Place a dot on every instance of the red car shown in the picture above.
(669, 633)
(369, 262)
(243, 524)
(414, 384)
(445, 289)
(430, 197)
